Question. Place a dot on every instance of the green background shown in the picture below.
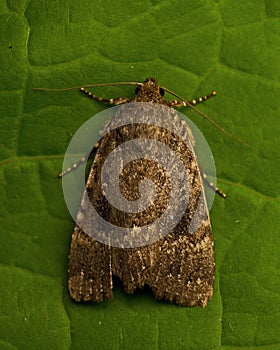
(192, 47)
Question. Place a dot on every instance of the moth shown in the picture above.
(178, 266)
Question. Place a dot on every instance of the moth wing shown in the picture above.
(178, 267)
(184, 268)
(89, 269)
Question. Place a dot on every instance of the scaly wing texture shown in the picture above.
(178, 265)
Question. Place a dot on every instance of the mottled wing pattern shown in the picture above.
(89, 268)
(178, 267)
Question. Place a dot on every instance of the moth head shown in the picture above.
(150, 84)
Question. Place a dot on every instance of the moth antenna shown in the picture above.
(90, 86)
(205, 116)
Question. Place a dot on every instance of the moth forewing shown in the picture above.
(168, 247)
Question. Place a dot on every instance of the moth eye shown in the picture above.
(161, 91)
(137, 90)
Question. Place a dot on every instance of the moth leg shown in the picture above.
(211, 185)
(203, 98)
(80, 162)
(193, 102)
(112, 101)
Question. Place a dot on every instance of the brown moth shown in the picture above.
(179, 266)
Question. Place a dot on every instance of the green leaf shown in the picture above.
(34, 320)
(192, 47)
